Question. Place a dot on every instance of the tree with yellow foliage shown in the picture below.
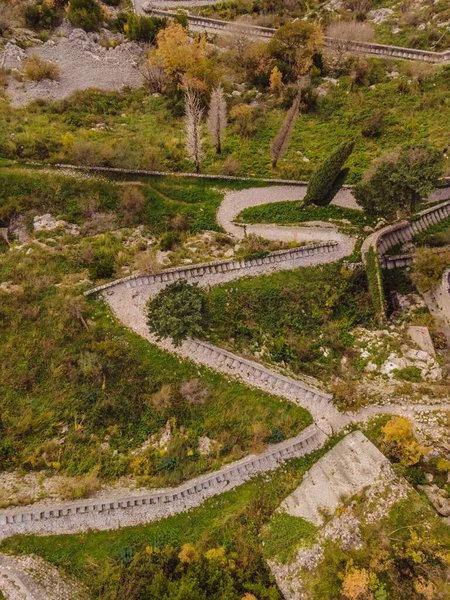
(276, 81)
(401, 443)
(184, 60)
(356, 584)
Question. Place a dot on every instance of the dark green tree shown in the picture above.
(324, 177)
(398, 182)
(179, 311)
(143, 29)
(85, 14)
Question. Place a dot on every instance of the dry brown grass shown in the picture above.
(38, 69)
(79, 487)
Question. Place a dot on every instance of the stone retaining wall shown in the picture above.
(309, 440)
(388, 237)
(315, 399)
(366, 48)
(193, 272)
(138, 172)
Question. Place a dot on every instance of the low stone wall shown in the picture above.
(121, 171)
(309, 440)
(442, 294)
(398, 261)
(193, 272)
(388, 237)
(367, 48)
(313, 398)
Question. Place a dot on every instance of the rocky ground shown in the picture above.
(31, 578)
(83, 62)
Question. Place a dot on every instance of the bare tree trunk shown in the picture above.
(193, 118)
(217, 117)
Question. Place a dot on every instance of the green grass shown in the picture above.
(404, 20)
(434, 236)
(67, 364)
(75, 197)
(232, 520)
(290, 213)
(285, 534)
(302, 319)
(62, 131)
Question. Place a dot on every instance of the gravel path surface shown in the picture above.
(235, 202)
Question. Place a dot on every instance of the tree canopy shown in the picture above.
(399, 181)
(295, 44)
(178, 312)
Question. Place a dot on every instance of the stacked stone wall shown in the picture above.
(309, 440)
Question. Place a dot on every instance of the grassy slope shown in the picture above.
(400, 28)
(290, 213)
(103, 379)
(63, 131)
(232, 520)
(291, 316)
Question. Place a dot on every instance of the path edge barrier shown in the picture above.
(219, 266)
(310, 439)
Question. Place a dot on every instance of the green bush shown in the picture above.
(40, 16)
(85, 14)
(400, 180)
(169, 240)
(143, 29)
(102, 266)
(324, 177)
(375, 280)
(411, 373)
(179, 311)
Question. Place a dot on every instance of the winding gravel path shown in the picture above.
(129, 305)
(235, 202)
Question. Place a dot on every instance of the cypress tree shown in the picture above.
(324, 177)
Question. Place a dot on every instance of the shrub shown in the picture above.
(85, 14)
(326, 174)
(102, 267)
(400, 180)
(375, 281)
(37, 69)
(194, 392)
(40, 16)
(428, 268)
(410, 373)
(243, 116)
(401, 443)
(168, 463)
(143, 29)
(179, 311)
(131, 204)
(169, 240)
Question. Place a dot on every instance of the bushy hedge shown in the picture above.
(143, 29)
(40, 16)
(85, 14)
(375, 281)
(324, 177)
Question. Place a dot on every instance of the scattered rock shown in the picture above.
(380, 15)
(47, 223)
(438, 498)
